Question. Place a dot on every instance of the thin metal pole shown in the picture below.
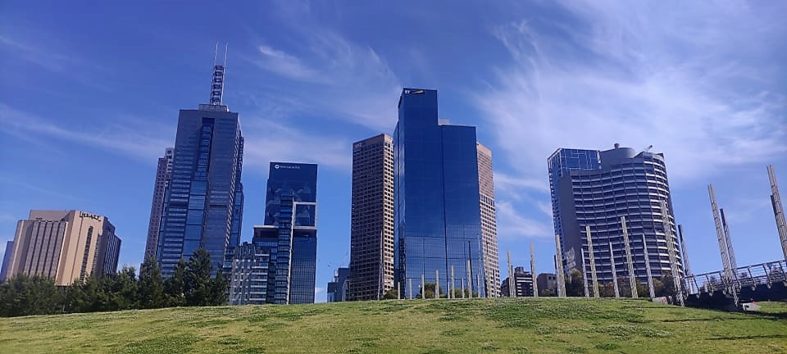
(437, 284)
(469, 280)
(423, 287)
(647, 268)
(533, 270)
(778, 210)
(511, 280)
(453, 286)
(463, 288)
(561, 276)
(592, 261)
(614, 271)
(410, 287)
(629, 261)
(584, 274)
(673, 258)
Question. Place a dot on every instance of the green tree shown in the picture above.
(122, 289)
(575, 284)
(219, 289)
(390, 294)
(151, 285)
(23, 295)
(174, 286)
(198, 285)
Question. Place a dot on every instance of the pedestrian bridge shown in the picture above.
(758, 282)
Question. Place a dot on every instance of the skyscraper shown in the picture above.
(163, 175)
(204, 200)
(595, 188)
(372, 224)
(9, 248)
(437, 213)
(290, 232)
(65, 245)
(337, 289)
(248, 275)
(488, 220)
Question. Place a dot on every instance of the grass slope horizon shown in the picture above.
(424, 326)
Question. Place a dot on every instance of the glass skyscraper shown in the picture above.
(203, 202)
(437, 211)
(595, 188)
(290, 232)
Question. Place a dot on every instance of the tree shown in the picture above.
(151, 286)
(575, 286)
(198, 287)
(390, 294)
(122, 289)
(174, 286)
(23, 295)
(219, 289)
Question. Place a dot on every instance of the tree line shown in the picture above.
(191, 284)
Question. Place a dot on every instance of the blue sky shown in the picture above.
(90, 93)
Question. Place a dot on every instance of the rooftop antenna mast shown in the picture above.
(217, 81)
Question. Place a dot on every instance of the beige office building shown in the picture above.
(65, 245)
(488, 221)
(372, 219)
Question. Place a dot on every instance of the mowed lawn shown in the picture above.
(431, 326)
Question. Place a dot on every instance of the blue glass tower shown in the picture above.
(204, 202)
(595, 188)
(290, 232)
(437, 216)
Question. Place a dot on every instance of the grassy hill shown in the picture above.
(467, 326)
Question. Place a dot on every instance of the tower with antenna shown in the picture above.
(215, 103)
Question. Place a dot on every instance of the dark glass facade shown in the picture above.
(437, 214)
(595, 188)
(290, 232)
(204, 201)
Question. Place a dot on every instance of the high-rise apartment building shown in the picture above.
(65, 245)
(488, 220)
(522, 283)
(163, 175)
(372, 219)
(203, 202)
(290, 232)
(596, 188)
(437, 213)
(248, 275)
(338, 288)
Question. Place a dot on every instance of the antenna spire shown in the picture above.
(217, 82)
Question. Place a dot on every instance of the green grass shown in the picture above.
(460, 326)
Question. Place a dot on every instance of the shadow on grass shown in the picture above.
(750, 337)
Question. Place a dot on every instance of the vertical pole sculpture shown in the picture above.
(453, 285)
(778, 209)
(684, 253)
(673, 257)
(592, 261)
(533, 270)
(729, 272)
(469, 280)
(614, 271)
(463, 288)
(478, 283)
(437, 284)
(730, 249)
(584, 274)
(511, 280)
(410, 287)
(651, 290)
(561, 276)
(629, 261)
(423, 287)
(399, 290)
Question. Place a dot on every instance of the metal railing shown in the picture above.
(748, 276)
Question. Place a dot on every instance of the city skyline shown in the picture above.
(720, 125)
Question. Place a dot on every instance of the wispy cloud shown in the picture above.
(269, 141)
(133, 139)
(639, 74)
(330, 75)
(513, 226)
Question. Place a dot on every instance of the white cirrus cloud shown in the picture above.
(512, 225)
(692, 83)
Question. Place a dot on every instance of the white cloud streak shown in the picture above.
(639, 74)
(513, 226)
